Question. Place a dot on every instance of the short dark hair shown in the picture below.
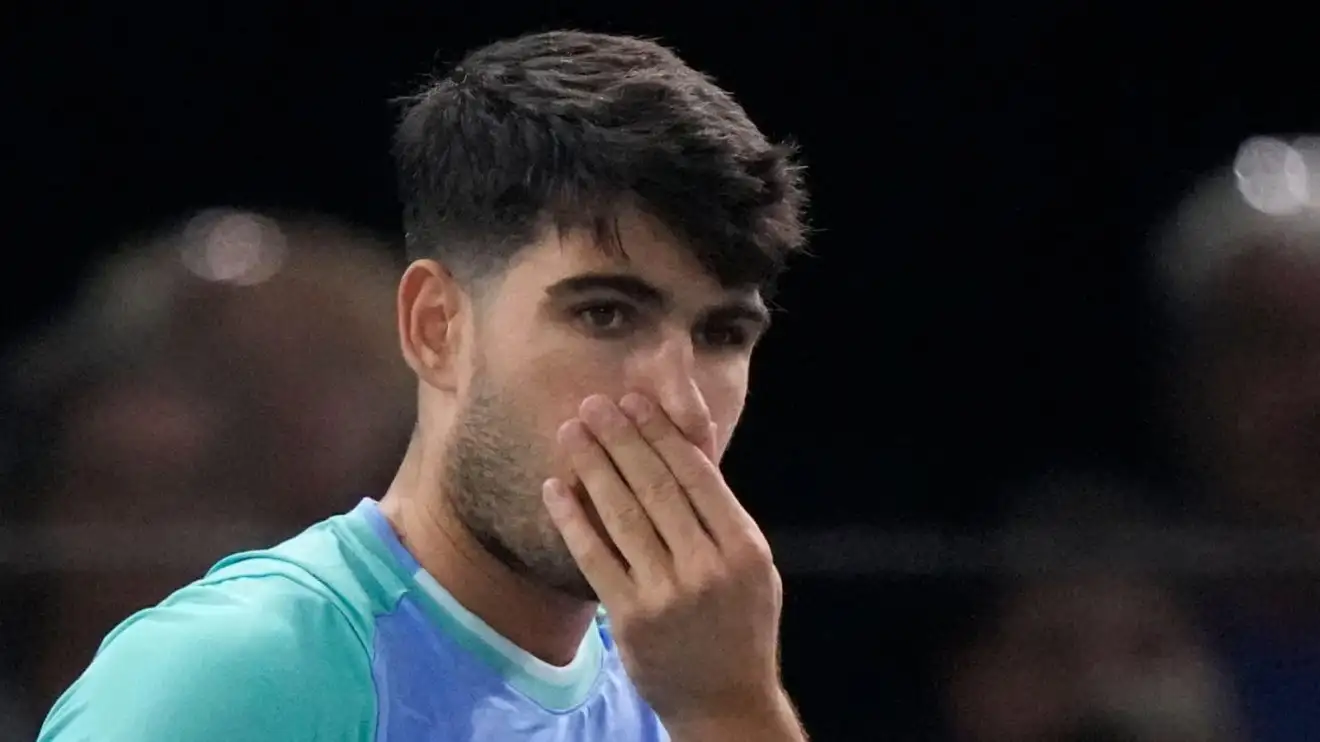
(563, 129)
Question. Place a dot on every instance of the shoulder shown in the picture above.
(244, 655)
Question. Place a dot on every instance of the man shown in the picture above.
(147, 439)
(1237, 266)
(592, 226)
(1083, 639)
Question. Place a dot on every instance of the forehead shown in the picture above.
(645, 248)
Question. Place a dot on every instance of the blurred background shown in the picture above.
(1037, 437)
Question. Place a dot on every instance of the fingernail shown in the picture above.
(600, 413)
(572, 433)
(638, 407)
(555, 497)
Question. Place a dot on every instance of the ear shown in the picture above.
(431, 309)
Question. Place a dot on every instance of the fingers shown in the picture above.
(647, 476)
(626, 520)
(606, 575)
(726, 519)
(663, 502)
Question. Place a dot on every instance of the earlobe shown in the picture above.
(429, 308)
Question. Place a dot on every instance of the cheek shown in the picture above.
(549, 389)
(563, 380)
(726, 395)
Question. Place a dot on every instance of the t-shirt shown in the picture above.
(338, 635)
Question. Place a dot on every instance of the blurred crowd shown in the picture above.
(217, 386)
(1192, 614)
(168, 408)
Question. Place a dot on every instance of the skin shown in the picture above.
(572, 414)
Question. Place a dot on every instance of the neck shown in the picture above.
(543, 622)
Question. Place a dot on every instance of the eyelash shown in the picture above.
(739, 337)
(588, 314)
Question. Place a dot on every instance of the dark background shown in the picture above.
(985, 176)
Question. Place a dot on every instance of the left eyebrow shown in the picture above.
(620, 283)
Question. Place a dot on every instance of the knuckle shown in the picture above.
(630, 517)
(658, 487)
(704, 576)
(588, 553)
(586, 550)
(691, 421)
(712, 580)
(658, 597)
(691, 469)
(659, 436)
(752, 554)
(648, 607)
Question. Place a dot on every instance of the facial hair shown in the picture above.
(493, 474)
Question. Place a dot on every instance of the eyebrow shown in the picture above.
(747, 309)
(632, 287)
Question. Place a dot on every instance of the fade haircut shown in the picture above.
(564, 130)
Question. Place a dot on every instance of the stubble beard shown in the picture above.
(493, 475)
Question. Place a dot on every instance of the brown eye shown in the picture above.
(724, 336)
(606, 318)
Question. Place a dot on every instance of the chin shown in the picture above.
(579, 590)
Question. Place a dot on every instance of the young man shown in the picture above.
(592, 226)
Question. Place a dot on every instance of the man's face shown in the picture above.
(568, 321)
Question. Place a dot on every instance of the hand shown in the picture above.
(692, 591)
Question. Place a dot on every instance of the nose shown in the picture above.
(667, 374)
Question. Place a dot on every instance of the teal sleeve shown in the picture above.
(253, 658)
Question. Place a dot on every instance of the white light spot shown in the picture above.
(1272, 176)
(233, 247)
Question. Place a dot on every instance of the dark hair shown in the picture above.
(564, 129)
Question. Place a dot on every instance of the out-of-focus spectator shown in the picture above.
(217, 387)
(1239, 268)
(1243, 284)
(1079, 641)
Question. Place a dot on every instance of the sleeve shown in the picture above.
(245, 660)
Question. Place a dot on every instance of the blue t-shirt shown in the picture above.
(338, 635)
(1277, 680)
